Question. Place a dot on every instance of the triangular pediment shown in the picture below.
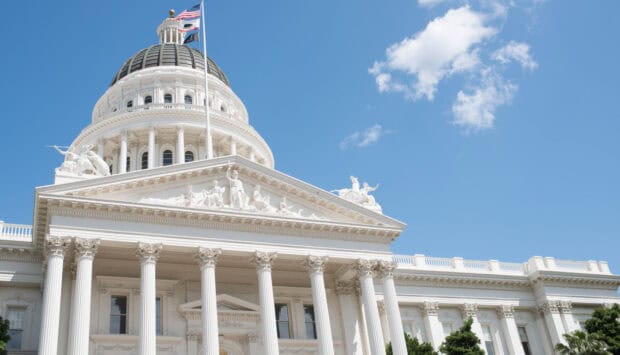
(224, 303)
(227, 185)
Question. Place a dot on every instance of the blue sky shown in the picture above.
(491, 126)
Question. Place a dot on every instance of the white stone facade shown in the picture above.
(193, 257)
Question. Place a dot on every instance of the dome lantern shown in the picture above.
(168, 31)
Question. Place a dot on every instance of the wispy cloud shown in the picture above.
(360, 139)
(461, 42)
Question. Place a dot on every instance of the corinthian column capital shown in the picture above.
(86, 247)
(207, 257)
(469, 310)
(365, 267)
(148, 253)
(263, 260)
(506, 311)
(386, 268)
(57, 246)
(315, 264)
(431, 308)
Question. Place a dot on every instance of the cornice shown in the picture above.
(452, 279)
(563, 278)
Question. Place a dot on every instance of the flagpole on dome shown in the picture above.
(209, 138)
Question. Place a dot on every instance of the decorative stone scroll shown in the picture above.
(208, 257)
(431, 308)
(386, 268)
(360, 195)
(315, 264)
(148, 253)
(86, 247)
(505, 311)
(263, 260)
(469, 310)
(550, 307)
(365, 267)
(57, 246)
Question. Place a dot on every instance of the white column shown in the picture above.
(554, 322)
(151, 148)
(263, 263)
(148, 254)
(347, 297)
(395, 323)
(79, 324)
(365, 269)
(509, 328)
(50, 317)
(233, 146)
(180, 145)
(570, 324)
(543, 332)
(122, 164)
(252, 155)
(434, 330)
(470, 310)
(100, 148)
(316, 267)
(210, 333)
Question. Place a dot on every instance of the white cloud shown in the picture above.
(429, 3)
(476, 111)
(515, 51)
(364, 138)
(445, 46)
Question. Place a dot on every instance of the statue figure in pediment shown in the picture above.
(238, 197)
(358, 195)
(82, 161)
(259, 201)
(215, 196)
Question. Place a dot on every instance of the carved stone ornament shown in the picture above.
(148, 253)
(315, 264)
(193, 336)
(469, 310)
(207, 257)
(505, 311)
(57, 246)
(86, 247)
(346, 287)
(263, 260)
(360, 195)
(550, 307)
(566, 306)
(431, 308)
(365, 267)
(252, 338)
(386, 268)
(82, 161)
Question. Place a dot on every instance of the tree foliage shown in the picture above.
(582, 343)
(413, 347)
(605, 325)
(4, 335)
(462, 342)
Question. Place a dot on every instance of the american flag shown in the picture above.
(194, 12)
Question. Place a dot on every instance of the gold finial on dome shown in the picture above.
(171, 12)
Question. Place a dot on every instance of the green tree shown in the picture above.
(4, 335)
(413, 347)
(605, 325)
(582, 343)
(462, 342)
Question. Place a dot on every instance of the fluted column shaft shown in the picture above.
(316, 267)
(180, 145)
(50, 317)
(434, 330)
(566, 308)
(365, 269)
(263, 263)
(79, 321)
(554, 322)
(122, 164)
(151, 160)
(511, 332)
(470, 310)
(395, 323)
(210, 332)
(148, 253)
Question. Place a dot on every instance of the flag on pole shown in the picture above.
(193, 12)
(189, 24)
(192, 37)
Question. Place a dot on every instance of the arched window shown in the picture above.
(189, 156)
(188, 100)
(148, 100)
(167, 157)
(128, 164)
(130, 104)
(145, 160)
(167, 99)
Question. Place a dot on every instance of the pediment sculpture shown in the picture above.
(360, 195)
(233, 197)
(82, 161)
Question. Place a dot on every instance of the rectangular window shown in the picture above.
(15, 317)
(524, 341)
(158, 312)
(488, 340)
(310, 322)
(282, 321)
(118, 315)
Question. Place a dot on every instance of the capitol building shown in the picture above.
(160, 236)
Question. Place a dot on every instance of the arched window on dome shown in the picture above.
(189, 156)
(127, 167)
(145, 160)
(167, 157)
(168, 99)
(148, 99)
(188, 100)
(130, 104)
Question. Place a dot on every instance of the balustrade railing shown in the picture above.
(15, 232)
